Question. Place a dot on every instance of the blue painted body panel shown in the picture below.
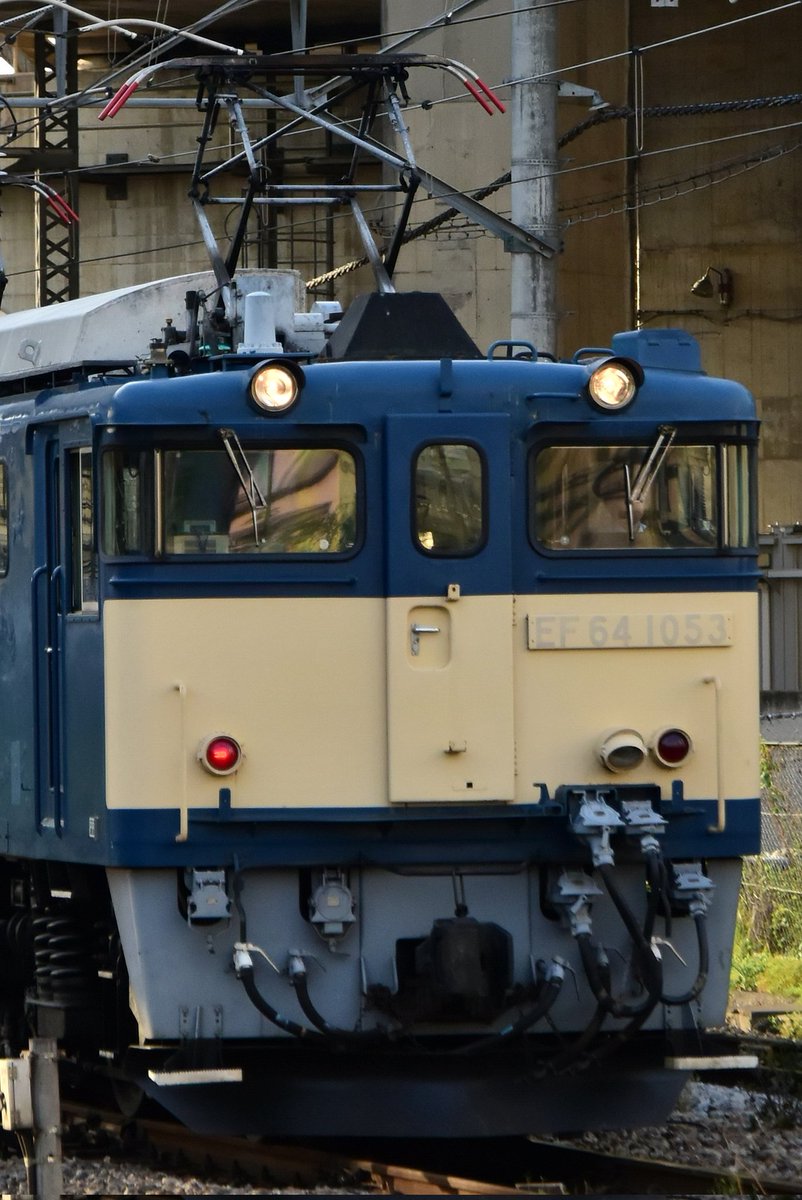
(532, 400)
(382, 837)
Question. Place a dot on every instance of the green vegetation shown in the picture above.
(767, 956)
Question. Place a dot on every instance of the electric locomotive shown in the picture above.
(379, 716)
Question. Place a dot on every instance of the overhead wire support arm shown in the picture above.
(210, 105)
(511, 233)
(256, 180)
(366, 122)
(298, 28)
(397, 240)
(221, 271)
(383, 281)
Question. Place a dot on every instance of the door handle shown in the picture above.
(414, 635)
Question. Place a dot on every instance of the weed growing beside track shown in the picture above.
(767, 956)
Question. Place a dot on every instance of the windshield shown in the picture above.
(287, 500)
(588, 497)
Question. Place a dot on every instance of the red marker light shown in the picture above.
(672, 747)
(220, 754)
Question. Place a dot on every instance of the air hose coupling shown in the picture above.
(690, 889)
(556, 969)
(242, 959)
(296, 967)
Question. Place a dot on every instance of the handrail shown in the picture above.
(183, 803)
(721, 803)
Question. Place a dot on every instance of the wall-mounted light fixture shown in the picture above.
(706, 288)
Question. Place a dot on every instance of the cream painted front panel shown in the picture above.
(449, 699)
(299, 682)
(581, 672)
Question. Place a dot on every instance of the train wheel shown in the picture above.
(128, 1096)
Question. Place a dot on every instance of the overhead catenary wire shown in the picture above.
(430, 226)
(445, 20)
(666, 190)
(449, 214)
(601, 117)
(617, 55)
(99, 90)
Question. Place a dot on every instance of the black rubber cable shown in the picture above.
(704, 965)
(362, 1037)
(549, 994)
(245, 975)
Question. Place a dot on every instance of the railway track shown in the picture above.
(502, 1167)
(626, 1174)
(520, 1166)
(88, 1130)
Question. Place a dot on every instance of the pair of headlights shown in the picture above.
(275, 386)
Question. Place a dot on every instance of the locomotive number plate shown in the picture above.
(623, 631)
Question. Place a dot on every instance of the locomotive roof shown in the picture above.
(364, 392)
(411, 344)
(109, 326)
(120, 325)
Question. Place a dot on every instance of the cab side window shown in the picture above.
(84, 572)
(3, 519)
(449, 507)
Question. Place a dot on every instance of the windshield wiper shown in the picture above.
(638, 491)
(253, 493)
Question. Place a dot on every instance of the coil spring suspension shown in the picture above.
(15, 934)
(64, 950)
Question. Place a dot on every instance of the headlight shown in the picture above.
(622, 750)
(275, 386)
(614, 383)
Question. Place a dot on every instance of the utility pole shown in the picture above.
(533, 316)
(30, 1107)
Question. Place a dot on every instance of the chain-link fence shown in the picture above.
(782, 799)
(770, 912)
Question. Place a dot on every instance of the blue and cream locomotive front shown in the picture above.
(421, 692)
(406, 711)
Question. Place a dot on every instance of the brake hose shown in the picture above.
(651, 964)
(600, 987)
(243, 967)
(363, 1037)
(704, 964)
(655, 879)
(526, 1020)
